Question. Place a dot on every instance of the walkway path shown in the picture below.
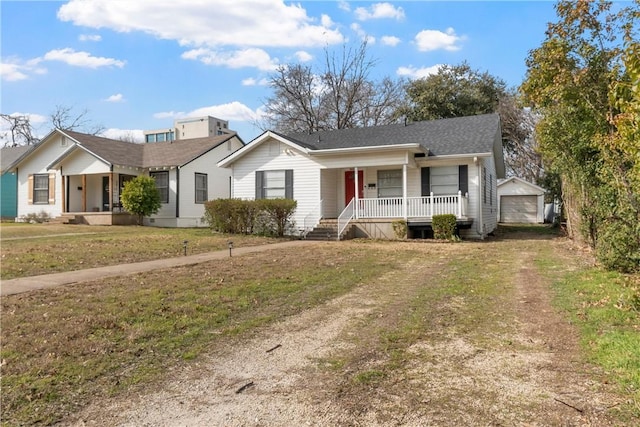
(26, 284)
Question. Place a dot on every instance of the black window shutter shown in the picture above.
(463, 179)
(259, 185)
(425, 175)
(288, 184)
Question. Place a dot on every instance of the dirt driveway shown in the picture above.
(473, 358)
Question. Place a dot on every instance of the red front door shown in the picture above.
(350, 186)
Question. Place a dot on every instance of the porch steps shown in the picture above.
(66, 219)
(327, 229)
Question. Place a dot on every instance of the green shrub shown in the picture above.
(236, 216)
(444, 226)
(400, 228)
(277, 214)
(618, 246)
(141, 197)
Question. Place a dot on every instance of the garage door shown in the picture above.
(519, 209)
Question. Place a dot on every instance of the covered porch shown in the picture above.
(383, 194)
(94, 199)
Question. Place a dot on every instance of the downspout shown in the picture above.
(479, 226)
(177, 192)
(404, 192)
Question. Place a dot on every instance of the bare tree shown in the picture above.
(20, 131)
(522, 157)
(63, 117)
(339, 96)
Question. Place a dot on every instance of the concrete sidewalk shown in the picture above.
(26, 284)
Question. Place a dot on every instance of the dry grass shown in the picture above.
(64, 347)
(33, 249)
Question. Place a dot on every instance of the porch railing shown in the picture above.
(417, 207)
(346, 216)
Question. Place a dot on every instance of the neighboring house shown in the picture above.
(520, 201)
(9, 181)
(370, 177)
(79, 175)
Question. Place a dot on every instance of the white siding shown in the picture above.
(80, 162)
(36, 163)
(218, 183)
(306, 175)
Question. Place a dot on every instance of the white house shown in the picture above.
(520, 201)
(81, 176)
(366, 178)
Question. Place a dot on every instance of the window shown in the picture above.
(390, 183)
(444, 180)
(274, 184)
(202, 194)
(484, 185)
(162, 184)
(491, 189)
(41, 189)
(151, 137)
(160, 137)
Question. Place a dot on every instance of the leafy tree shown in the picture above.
(454, 91)
(459, 90)
(141, 197)
(339, 95)
(576, 80)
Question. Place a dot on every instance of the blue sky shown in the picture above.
(140, 64)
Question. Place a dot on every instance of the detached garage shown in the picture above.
(520, 201)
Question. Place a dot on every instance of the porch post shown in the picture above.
(404, 192)
(110, 191)
(84, 193)
(64, 194)
(459, 204)
(355, 176)
(431, 206)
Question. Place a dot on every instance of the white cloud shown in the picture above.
(418, 73)
(131, 135)
(303, 56)
(12, 72)
(89, 38)
(390, 40)
(255, 82)
(357, 28)
(344, 5)
(227, 23)
(428, 40)
(380, 11)
(251, 57)
(14, 69)
(233, 111)
(118, 97)
(81, 59)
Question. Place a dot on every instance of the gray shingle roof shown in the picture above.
(460, 135)
(8, 155)
(157, 154)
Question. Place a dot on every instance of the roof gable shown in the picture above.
(148, 155)
(519, 181)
